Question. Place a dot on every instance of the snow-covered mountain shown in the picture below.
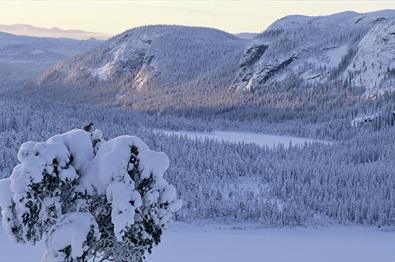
(359, 48)
(22, 58)
(155, 67)
(165, 64)
(54, 32)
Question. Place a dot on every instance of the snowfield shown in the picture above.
(213, 243)
(185, 242)
(246, 137)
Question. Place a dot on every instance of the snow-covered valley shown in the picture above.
(282, 188)
(194, 121)
(187, 242)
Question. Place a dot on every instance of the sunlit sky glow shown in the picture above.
(113, 17)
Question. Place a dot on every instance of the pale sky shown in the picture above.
(116, 16)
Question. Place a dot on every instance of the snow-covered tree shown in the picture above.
(88, 198)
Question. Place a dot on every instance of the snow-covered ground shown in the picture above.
(245, 137)
(183, 242)
(192, 243)
(10, 251)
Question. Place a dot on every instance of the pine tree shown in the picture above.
(89, 198)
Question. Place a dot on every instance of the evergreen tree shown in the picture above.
(89, 198)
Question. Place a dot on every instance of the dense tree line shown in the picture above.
(351, 181)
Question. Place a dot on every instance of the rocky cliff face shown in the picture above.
(347, 47)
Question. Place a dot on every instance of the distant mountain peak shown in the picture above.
(54, 32)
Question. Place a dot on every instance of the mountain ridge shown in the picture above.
(54, 32)
(307, 48)
(155, 61)
(161, 66)
(22, 58)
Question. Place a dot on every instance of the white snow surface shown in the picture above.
(186, 242)
(110, 163)
(72, 230)
(122, 215)
(263, 140)
(79, 143)
(191, 243)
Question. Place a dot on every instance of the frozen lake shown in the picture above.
(183, 243)
(245, 137)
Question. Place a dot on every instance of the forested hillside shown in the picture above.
(350, 181)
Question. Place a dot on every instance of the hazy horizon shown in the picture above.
(114, 17)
